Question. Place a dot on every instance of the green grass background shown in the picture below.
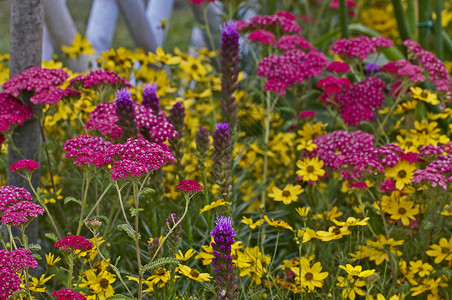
(179, 30)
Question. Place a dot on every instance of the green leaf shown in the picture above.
(37, 256)
(117, 260)
(130, 232)
(119, 297)
(134, 211)
(147, 191)
(34, 247)
(159, 263)
(51, 236)
(69, 199)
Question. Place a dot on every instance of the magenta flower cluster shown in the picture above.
(67, 294)
(189, 186)
(12, 112)
(11, 263)
(14, 207)
(71, 243)
(89, 150)
(99, 77)
(359, 47)
(24, 164)
(282, 20)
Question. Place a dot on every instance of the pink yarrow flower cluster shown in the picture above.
(359, 47)
(24, 164)
(293, 66)
(404, 69)
(262, 36)
(71, 243)
(99, 77)
(283, 19)
(89, 150)
(290, 41)
(12, 112)
(199, 2)
(105, 120)
(44, 83)
(189, 186)
(11, 263)
(67, 294)
(15, 206)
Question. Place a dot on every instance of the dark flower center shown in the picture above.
(309, 276)
(402, 174)
(160, 271)
(337, 230)
(286, 193)
(424, 95)
(310, 169)
(104, 283)
(402, 211)
(194, 273)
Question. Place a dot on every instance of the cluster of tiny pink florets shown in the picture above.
(71, 243)
(189, 186)
(12, 112)
(359, 47)
(97, 77)
(23, 164)
(67, 294)
(12, 194)
(284, 20)
(89, 150)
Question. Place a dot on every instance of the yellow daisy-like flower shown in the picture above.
(351, 221)
(310, 169)
(424, 95)
(51, 260)
(307, 145)
(356, 271)
(442, 251)
(252, 224)
(194, 274)
(352, 287)
(401, 173)
(421, 268)
(185, 257)
(287, 195)
(402, 210)
(309, 276)
(161, 275)
(278, 224)
(150, 289)
(79, 46)
(303, 211)
(100, 285)
(213, 205)
(333, 233)
(309, 234)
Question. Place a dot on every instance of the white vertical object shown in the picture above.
(102, 24)
(158, 11)
(47, 45)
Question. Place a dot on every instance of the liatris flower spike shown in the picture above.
(150, 98)
(174, 236)
(125, 112)
(222, 160)
(225, 277)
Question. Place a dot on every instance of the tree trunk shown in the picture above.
(139, 28)
(62, 31)
(27, 19)
(156, 12)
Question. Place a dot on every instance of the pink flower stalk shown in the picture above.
(12, 194)
(12, 112)
(262, 36)
(21, 212)
(43, 82)
(67, 294)
(189, 186)
(23, 164)
(99, 77)
(73, 242)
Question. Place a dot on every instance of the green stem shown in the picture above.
(343, 18)
(122, 207)
(98, 201)
(87, 179)
(439, 45)
(411, 17)
(25, 244)
(137, 241)
(424, 19)
(402, 22)
(70, 259)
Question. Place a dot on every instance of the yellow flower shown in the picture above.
(309, 234)
(250, 222)
(424, 95)
(402, 210)
(278, 224)
(165, 58)
(205, 255)
(421, 268)
(161, 275)
(308, 132)
(333, 233)
(35, 284)
(145, 281)
(309, 276)
(356, 271)
(401, 173)
(51, 260)
(329, 215)
(351, 221)
(310, 169)
(194, 274)
(352, 287)
(252, 263)
(185, 257)
(303, 211)
(213, 205)
(100, 285)
(288, 195)
(442, 251)
(79, 46)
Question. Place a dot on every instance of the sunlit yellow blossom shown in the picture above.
(351, 221)
(401, 173)
(287, 195)
(309, 276)
(213, 205)
(79, 46)
(310, 169)
(194, 274)
(278, 224)
(421, 268)
(250, 222)
(147, 282)
(428, 284)
(307, 145)
(333, 233)
(185, 257)
(402, 210)
(309, 234)
(303, 211)
(424, 95)
(308, 132)
(394, 297)
(51, 260)
(205, 255)
(165, 58)
(254, 264)
(356, 271)
(100, 285)
(161, 276)
(442, 251)
(333, 213)
(35, 284)
(352, 287)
